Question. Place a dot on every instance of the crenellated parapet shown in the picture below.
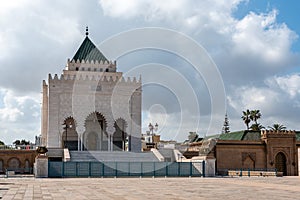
(104, 77)
(267, 133)
(91, 65)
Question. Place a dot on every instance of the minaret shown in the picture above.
(225, 128)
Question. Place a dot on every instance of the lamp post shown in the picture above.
(152, 129)
(66, 128)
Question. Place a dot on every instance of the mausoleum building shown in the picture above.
(91, 106)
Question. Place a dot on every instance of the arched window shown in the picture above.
(1, 166)
(27, 167)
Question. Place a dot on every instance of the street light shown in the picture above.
(66, 128)
(153, 128)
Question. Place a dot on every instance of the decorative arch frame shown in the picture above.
(102, 137)
(286, 170)
(74, 142)
(120, 135)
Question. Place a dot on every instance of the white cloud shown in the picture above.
(261, 36)
(289, 84)
(278, 100)
(18, 114)
(36, 38)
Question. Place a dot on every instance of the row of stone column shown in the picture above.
(109, 142)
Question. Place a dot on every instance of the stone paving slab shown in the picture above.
(150, 188)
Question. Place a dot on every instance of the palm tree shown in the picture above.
(246, 118)
(255, 115)
(277, 127)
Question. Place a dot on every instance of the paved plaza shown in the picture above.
(151, 188)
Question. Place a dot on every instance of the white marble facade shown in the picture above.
(90, 106)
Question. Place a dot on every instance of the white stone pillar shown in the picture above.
(80, 130)
(111, 143)
(110, 129)
(41, 166)
(78, 143)
(108, 142)
(81, 144)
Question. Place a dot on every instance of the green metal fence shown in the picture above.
(126, 169)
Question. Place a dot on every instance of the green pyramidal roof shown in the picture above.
(88, 51)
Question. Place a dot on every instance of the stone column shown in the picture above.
(108, 142)
(111, 142)
(41, 166)
(129, 142)
(78, 143)
(110, 129)
(80, 130)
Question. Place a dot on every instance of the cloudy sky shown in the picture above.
(254, 44)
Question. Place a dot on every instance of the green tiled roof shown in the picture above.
(212, 137)
(232, 135)
(252, 136)
(244, 135)
(298, 135)
(88, 51)
(241, 135)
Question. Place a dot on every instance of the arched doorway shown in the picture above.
(280, 163)
(92, 141)
(14, 164)
(70, 136)
(95, 136)
(1, 166)
(120, 135)
(27, 169)
(248, 163)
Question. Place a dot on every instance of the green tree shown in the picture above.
(24, 142)
(21, 142)
(277, 127)
(246, 118)
(17, 142)
(255, 115)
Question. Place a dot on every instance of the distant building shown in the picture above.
(150, 141)
(249, 150)
(90, 106)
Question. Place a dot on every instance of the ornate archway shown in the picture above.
(14, 164)
(69, 136)
(120, 137)
(95, 136)
(280, 163)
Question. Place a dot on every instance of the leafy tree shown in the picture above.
(277, 127)
(255, 115)
(22, 142)
(246, 118)
(193, 136)
(17, 142)
(226, 125)
(1, 143)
